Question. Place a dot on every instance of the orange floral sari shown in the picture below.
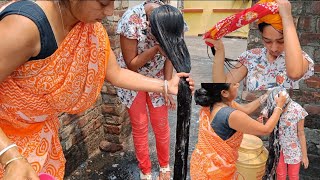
(69, 81)
(214, 158)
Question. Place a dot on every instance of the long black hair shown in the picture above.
(167, 26)
(210, 93)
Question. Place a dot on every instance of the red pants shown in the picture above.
(160, 125)
(293, 169)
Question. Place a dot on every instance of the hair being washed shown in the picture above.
(167, 26)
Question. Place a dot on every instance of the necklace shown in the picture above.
(64, 30)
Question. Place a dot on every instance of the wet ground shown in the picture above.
(123, 165)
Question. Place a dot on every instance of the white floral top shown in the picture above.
(288, 132)
(263, 75)
(134, 25)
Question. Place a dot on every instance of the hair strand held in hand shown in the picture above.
(167, 26)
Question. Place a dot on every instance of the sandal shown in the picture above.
(145, 176)
(164, 170)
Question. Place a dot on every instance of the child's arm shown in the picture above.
(168, 71)
(303, 143)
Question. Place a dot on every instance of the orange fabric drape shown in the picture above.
(213, 158)
(69, 81)
(242, 18)
(273, 19)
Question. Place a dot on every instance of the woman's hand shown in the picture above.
(281, 99)
(218, 44)
(284, 9)
(174, 82)
(20, 169)
(305, 161)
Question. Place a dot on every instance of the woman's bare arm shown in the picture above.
(247, 108)
(240, 121)
(128, 79)
(218, 73)
(20, 40)
(296, 64)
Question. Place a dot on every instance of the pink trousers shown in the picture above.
(160, 125)
(283, 168)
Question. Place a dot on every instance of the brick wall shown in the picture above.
(307, 20)
(105, 126)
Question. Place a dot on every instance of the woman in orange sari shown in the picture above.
(221, 127)
(54, 57)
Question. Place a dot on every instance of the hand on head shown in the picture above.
(281, 98)
(218, 44)
(284, 8)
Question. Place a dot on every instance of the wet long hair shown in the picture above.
(210, 93)
(167, 26)
(274, 146)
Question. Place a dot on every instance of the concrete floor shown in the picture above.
(123, 165)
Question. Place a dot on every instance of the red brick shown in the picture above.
(314, 8)
(317, 55)
(66, 132)
(66, 119)
(305, 23)
(317, 68)
(108, 108)
(312, 109)
(318, 25)
(112, 129)
(309, 39)
(110, 147)
(313, 82)
(316, 94)
(88, 117)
